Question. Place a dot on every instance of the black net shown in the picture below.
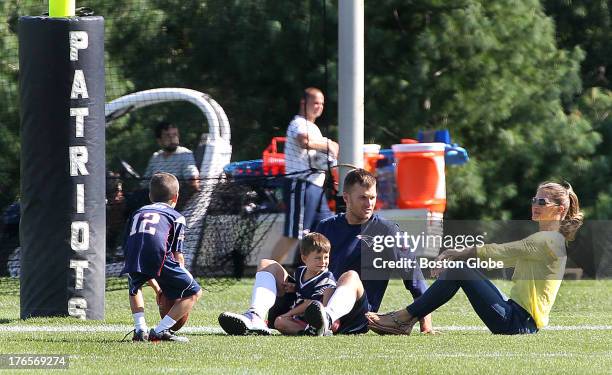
(164, 64)
(227, 220)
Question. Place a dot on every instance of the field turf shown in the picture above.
(579, 340)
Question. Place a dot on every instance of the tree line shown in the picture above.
(521, 84)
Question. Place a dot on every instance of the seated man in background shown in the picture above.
(173, 159)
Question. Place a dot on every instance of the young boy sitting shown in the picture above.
(153, 255)
(313, 282)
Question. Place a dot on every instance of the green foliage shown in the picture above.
(595, 106)
(489, 71)
(253, 57)
(588, 25)
(9, 114)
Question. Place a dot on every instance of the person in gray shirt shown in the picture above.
(172, 158)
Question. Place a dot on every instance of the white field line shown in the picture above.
(212, 330)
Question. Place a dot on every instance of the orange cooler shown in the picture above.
(370, 156)
(420, 176)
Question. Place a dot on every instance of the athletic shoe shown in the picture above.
(317, 317)
(166, 335)
(248, 323)
(140, 335)
(308, 331)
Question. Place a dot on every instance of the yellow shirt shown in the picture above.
(539, 264)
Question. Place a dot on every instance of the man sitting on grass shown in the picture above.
(346, 309)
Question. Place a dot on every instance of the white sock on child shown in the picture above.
(341, 302)
(264, 293)
(139, 321)
(166, 323)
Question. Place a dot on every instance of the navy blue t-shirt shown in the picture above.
(314, 287)
(350, 242)
(155, 231)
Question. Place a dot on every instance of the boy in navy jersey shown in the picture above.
(313, 282)
(153, 255)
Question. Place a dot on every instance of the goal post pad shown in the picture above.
(63, 214)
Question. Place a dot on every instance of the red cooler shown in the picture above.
(273, 159)
(420, 176)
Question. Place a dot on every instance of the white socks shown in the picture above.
(264, 293)
(166, 323)
(341, 303)
(139, 321)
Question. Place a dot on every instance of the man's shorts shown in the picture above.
(174, 281)
(306, 206)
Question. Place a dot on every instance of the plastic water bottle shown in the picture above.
(385, 176)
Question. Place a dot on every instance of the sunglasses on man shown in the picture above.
(542, 202)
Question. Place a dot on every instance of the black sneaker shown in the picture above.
(166, 335)
(140, 335)
(316, 316)
(308, 331)
(248, 323)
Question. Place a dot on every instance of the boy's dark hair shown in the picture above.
(359, 176)
(314, 241)
(163, 187)
(164, 125)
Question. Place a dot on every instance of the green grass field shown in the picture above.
(579, 341)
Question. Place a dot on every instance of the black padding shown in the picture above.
(48, 191)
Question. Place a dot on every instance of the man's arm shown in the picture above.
(320, 144)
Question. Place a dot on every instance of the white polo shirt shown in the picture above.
(301, 159)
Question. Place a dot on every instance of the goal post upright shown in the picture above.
(61, 8)
(62, 164)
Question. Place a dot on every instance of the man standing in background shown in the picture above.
(303, 192)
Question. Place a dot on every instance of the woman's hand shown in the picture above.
(450, 254)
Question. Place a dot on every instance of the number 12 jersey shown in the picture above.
(155, 231)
